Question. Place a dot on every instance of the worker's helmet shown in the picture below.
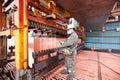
(72, 23)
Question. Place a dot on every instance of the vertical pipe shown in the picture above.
(0, 27)
(3, 42)
(21, 36)
(0, 16)
(25, 6)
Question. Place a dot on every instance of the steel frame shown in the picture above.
(3, 42)
(20, 32)
(21, 36)
(46, 10)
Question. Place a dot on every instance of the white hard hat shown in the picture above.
(72, 23)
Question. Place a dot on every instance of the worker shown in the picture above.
(70, 52)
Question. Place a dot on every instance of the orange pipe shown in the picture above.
(25, 6)
(0, 15)
(21, 36)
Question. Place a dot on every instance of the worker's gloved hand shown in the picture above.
(62, 52)
(61, 42)
(66, 51)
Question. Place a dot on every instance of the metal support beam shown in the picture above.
(3, 42)
(46, 10)
(0, 15)
(21, 36)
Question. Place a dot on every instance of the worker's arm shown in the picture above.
(61, 42)
(69, 41)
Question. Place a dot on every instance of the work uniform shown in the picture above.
(69, 59)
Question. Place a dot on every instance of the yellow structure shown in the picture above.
(21, 22)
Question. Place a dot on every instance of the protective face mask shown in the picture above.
(69, 31)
